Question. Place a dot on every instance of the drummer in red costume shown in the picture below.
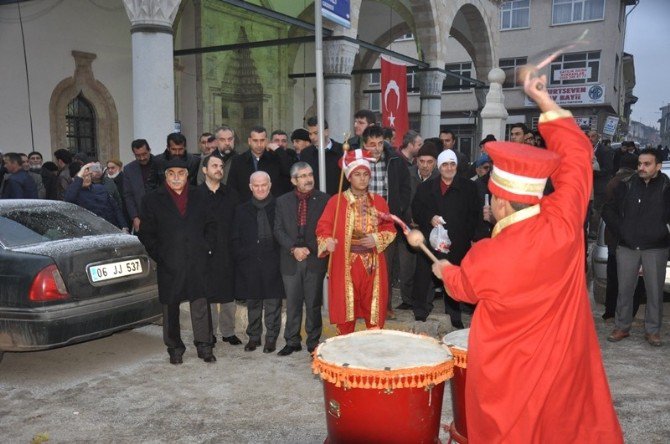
(358, 283)
(535, 373)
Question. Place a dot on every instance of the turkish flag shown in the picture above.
(394, 99)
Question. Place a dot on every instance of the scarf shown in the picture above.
(302, 216)
(265, 236)
(180, 200)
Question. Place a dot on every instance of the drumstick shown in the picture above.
(414, 237)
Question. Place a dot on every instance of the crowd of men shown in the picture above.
(225, 224)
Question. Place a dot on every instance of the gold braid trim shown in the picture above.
(548, 116)
(348, 377)
(515, 217)
(513, 185)
(374, 309)
(350, 221)
(321, 246)
(460, 357)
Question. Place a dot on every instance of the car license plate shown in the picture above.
(114, 270)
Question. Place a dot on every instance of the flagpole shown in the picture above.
(318, 57)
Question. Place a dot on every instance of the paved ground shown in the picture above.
(121, 389)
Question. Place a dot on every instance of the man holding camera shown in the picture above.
(94, 196)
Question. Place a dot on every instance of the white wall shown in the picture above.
(50, 37)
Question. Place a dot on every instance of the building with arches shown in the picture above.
(141, 69)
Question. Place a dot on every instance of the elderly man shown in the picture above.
(535, 373)
(85, 192)
(302, 270)
(450, 201)
(356, 237)
(221, 276)
(256, 256)
(178, 231)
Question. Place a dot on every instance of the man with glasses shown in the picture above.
(302, 270)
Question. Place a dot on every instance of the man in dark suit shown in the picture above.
(178, 232)
(256, 257)
(221, 276)
(302, 270)
(261, 156)
(454, 200)
(140, 176)
(333, 156)
(176, 147)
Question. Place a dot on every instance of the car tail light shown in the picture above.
(48, 285)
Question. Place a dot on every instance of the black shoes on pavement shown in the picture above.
(404, 306)
(251, 346)
(232, 340)
(288, 349)
(270, 346)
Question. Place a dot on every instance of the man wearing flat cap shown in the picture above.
(356, 235)
(178, 232)
(535, 374)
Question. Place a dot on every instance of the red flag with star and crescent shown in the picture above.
(394, 98)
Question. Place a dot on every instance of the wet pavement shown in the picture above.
(122, 389)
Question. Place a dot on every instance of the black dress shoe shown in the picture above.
(404, 306)
(232, 340)
(270, 346)
(176, 359)
(288, 349)
(251, 346)
(205, 353)
(420, 318)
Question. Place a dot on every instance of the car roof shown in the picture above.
(16, 204)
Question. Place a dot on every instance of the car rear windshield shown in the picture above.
(20, 227)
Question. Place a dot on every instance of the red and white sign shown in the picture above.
(572, 74)
(394, 99)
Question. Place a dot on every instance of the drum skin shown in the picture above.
(406, 415)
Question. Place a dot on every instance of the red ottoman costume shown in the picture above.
(535, 373)
(358, 283)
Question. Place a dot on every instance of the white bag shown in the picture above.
(439, 239)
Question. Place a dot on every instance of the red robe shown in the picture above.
(341, 305)
(535, 373)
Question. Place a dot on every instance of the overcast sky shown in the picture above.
(648, 40)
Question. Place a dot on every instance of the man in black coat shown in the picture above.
(333, 151)
(176, 148)
(140, 177)
(256, 256)
(302, 271)
(454, 199)
(178, 231)
(221, 276)
(261, 156)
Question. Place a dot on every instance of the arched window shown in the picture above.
(80, 127)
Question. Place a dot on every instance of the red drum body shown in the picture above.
(383, 386)
(457, 342)
(407, 415)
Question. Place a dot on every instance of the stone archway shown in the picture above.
(83, 82)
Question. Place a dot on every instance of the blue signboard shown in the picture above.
(336, 11)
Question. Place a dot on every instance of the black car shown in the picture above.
(67, 276)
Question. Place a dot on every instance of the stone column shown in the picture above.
(430, 85)
(338, 62)
(153, 70)
(494, 115)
